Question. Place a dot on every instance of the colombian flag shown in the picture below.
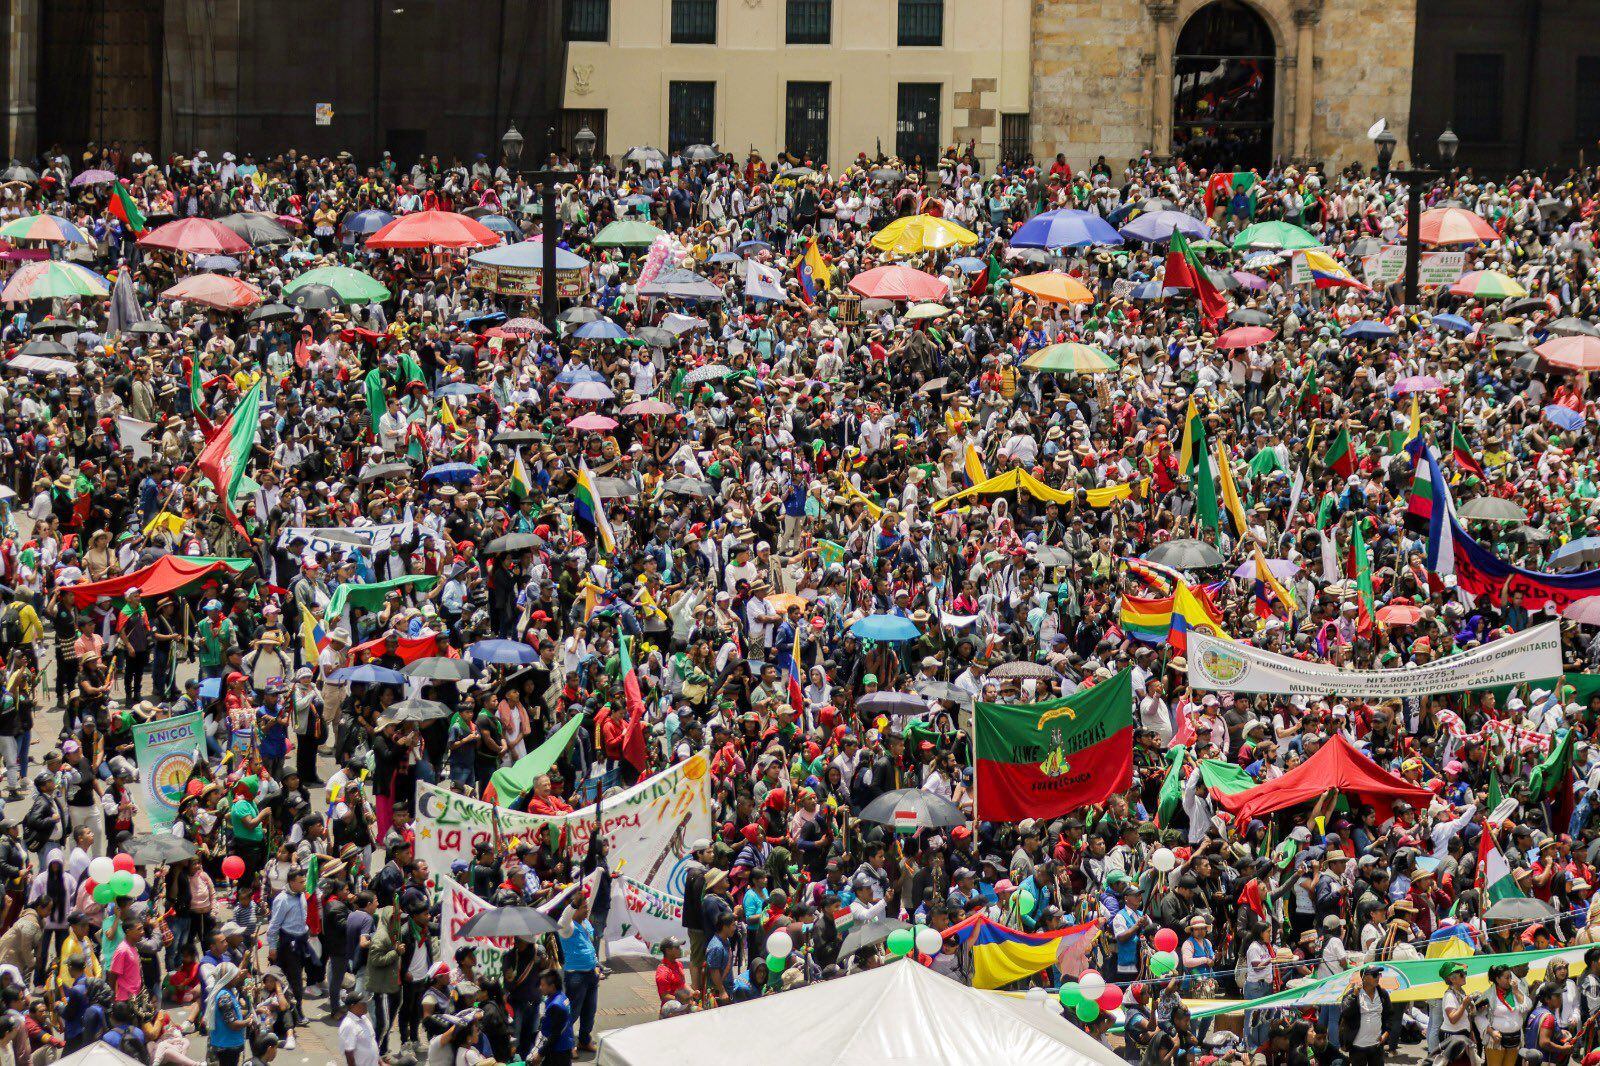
(797, 692)
(1001, 955)
(313, 638)
(1192, 609)
(1327, 274)
(814, 273)
(587, 508)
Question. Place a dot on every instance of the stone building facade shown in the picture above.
(1104, 80)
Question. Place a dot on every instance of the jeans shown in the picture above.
(1257, 1020)
(583, 993)
(161, 670)
(527, 1027)
(14, 751)
(338, 966)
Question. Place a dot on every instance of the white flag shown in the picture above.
(131, 433)
(761, 282)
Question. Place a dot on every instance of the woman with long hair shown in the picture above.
(59, 888)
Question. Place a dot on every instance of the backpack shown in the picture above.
(11, 634)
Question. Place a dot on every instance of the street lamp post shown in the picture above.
(1415, 180)
(547, 182)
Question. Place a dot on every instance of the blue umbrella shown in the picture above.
(504, 652)
(725, 257)
(574, 374)
(1159, 226)
(365, 223)
(1066, 228)
(1367, 331)
(601, 329)
(1149, 290)
(1452, 322)
(225, 263)
(368, 674)
(969, 264)
(452, 472)
(498, 223)
(298, 255)
(888, 628)
(460, 388)
(1563, 417)
(752, 247)
(1585, 551)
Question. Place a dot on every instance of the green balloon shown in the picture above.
(901, 942)
(121, 883)
(104, 894)
(776, 964)
(1163, 963)
(1087, 1011)
(1025, 901)
(1071, 995)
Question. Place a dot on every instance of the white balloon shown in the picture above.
(1035, 994)
(780, 943)
(1091, 984)
(101, 869)
(929, 941)
(1163, 860)
(138, 887)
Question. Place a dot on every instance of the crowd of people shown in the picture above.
(704, 497)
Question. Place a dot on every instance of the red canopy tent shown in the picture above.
(167, 574)
(1339, 767)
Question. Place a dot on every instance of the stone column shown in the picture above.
(1306, 17)
(19, 124)
(1164, 13)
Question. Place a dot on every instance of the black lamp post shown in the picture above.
(547, 182)
(584, 141)
(1415, 180)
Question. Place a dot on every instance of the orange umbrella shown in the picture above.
(1054, 287)
(1572, 353)
(434, 229)
(782, 601)
(215, 290)
(1455, 225)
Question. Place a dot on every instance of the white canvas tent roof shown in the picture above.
(98, 1054)
(902, 1013)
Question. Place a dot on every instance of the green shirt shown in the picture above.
(215, 639)
(242, 809)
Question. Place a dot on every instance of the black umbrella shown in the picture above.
(439, 668)
(1185, 554)
(885, 174)
(892, 703)
(934, 385)
(315, 297)
(48, 348)
(59, 325)
(153, 328)
(870, 934)
(1524, 304)
(1527, 361)
(159, 849)
(267, 312)
(415, 710)
(615, 488)
(379, 471)
(513, 542)
(1519, 909)
(1573, 327)
(913, 808)
(688, 486)
(516, 436)
(524, 923)
(1249, 316)
(256, 227)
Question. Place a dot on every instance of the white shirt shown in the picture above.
(357, 1039)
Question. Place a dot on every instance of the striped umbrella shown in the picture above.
(1071, 359)
(1455, 225)
(53, 280)
(1487, 285)
(43, 228)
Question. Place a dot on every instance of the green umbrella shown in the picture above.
(1280, 236)
(53, 279)
(352, 285)
(626, 234)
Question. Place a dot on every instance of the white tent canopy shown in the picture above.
(98, 1054)
(902, 1013)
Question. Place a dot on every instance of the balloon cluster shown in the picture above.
(111, 879)
(1090, 997)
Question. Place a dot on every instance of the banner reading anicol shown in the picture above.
(648, 826)
(1529, 656)
(166, 751)
(457, 907)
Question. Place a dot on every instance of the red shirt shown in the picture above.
(669, 979)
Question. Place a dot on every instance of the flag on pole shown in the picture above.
(1185, 271)
(813, 272)
(1269, 589)
(1205, 489)
(227, 455)
(1340, 456)
(377, 401)
(123, 206)
(797, 692)
(588, 508)
(1461, 452)
(1230, 492)
(313, 638)
(762, 282)
(633, 748)
(197, 402)
(521, 484)
(1191, 426)
(1363, 567)
(1495, 880)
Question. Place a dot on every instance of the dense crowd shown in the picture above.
(791, 480)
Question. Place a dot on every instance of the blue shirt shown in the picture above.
(227, 1025)
(577, 948)
(288, 916)
(555, 1024)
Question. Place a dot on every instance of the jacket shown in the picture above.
(46, 822)
(1350, 1014)
(383, 956)
(19, 945)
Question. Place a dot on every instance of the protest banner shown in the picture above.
(643, 915)
(338, 539)
(166, 751)
(648, 826)
(457, 907)
(1529, 656)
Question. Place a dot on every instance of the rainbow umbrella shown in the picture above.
(1487, 285)
(43, 228)
(1071, 359)
(53, 280)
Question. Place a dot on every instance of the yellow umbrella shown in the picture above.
(1054, 287)
(922, 233)
(782, 601)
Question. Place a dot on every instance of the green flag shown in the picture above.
(370, 596)
(1205, 486)
(517, 779)
(410, 370)
(1496, 797)
(1369, 606)
(124, 207)
(377, 402)
(1172, 787)
(1226, 777)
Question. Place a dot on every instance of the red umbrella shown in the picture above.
(1573, 353)
(1455, 225)
(197, 236)
(215, 290)
(434, 229)
(1245, 337)
(1399, 614)
(898, 283)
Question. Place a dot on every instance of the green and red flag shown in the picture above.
(1341, 456)
(1363, 574)
(1552, 778)
(1172, 786)
(1205, 485)
(123, 206)
(1041, 760)
(1227, 187)
(1185, 271)
(1461, 452)
(633, 733)
(197, 402)
(227, 453)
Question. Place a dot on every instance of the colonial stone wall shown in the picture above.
(1102, 75)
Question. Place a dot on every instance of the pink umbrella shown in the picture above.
(898, 283)
(1418, 383)
(93, 177)
(1250, 281)
(1455, 225)
(649, 408)
(1244, 337)
(1572, 353)
(290, 221)
(593, 423)
(197, 236)
(221, 291)
(524, 327)
(434, 229)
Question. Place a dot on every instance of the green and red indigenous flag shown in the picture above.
(1309, 387)
(633, 733)
(1041, 760)
(1363, 574)
(1172, 786)
(197, 402)
(1494, 873)
(1461, 452)
(1340, 456)
(227, 454)
(1235, 191)
(1185, 271)
(123, 206)
(1552, 779)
